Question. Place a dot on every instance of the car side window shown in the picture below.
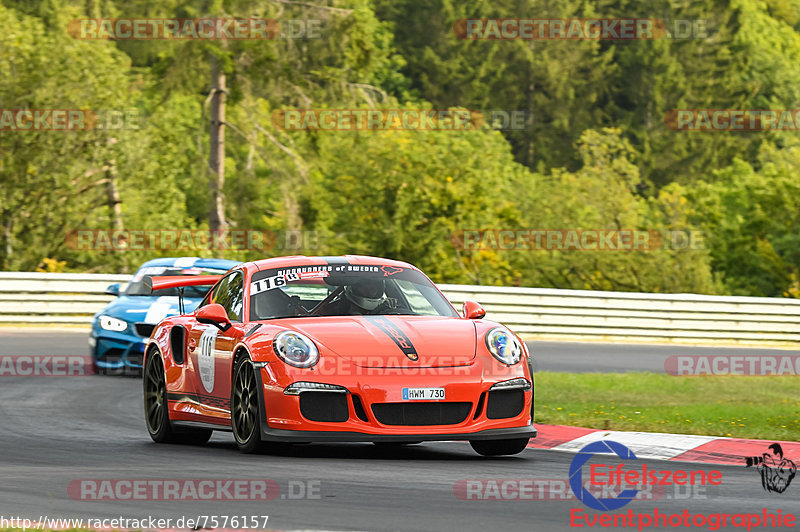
(230, 294)
(418, 303)
(209, 295)
(205, 300)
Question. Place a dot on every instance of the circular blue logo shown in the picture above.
(576, 476)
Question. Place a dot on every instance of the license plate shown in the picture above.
(423, 394)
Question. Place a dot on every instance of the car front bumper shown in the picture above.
(301, 436)
(373, 410)
(116, 350)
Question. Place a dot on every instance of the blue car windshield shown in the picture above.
(137, 288)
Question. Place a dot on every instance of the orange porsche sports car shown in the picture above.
(335, 349)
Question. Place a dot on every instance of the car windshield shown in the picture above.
(341, 290)
(137, 288)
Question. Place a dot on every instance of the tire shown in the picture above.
(245, 407)
(156, 411)
(499, 447)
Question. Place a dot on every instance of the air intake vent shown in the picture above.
(177, 343)
(505, 403)
(479, 408)
(144, 329)
(359, 408)
(329, 407)
(421, 413)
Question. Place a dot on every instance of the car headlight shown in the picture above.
(503, 346)
(112, 324)
(295, 349)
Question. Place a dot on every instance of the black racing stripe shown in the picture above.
(206, 400)
(334, 261)
(398, 336)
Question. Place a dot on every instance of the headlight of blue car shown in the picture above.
(112, 324)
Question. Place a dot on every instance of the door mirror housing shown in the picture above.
(214, 314)
(473, 311)
(113, 289)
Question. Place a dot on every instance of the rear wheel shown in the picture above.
(156, 414)
(499, 447)
(244, 407)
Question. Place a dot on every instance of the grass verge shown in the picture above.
(736, 406)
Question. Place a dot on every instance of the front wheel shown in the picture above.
(244, 407)
(499, 447)
(156, 415)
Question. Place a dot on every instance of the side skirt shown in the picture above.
(199, 425)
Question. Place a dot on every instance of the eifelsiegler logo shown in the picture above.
(776, 470)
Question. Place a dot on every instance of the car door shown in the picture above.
(211, 350)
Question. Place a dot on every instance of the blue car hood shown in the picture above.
(147, 309)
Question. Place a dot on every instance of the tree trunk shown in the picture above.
(216, 157)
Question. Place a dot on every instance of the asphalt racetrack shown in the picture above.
(57, 432)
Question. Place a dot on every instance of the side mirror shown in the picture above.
(214, 314)
(113, 289)
(473, 311)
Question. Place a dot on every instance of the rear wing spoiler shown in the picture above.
(178, 281)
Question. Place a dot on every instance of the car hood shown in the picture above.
(394, 341)
(147, 309)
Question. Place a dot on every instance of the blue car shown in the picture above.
(120, 330)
